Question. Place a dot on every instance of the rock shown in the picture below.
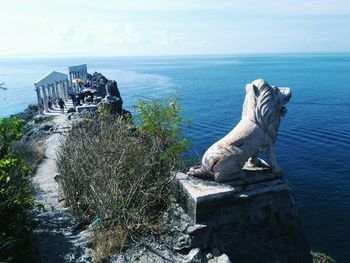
(39, 118)
(45, 127)
(215, 252)
(148, 250)
(71, 110)
(195, 256)
(221, 259)
(209, 256)
(87, 108)
(199, 235)
(34, 134)
(183, 242)
(98, 82)
(112, 88)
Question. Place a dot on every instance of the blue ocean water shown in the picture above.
(313, 147)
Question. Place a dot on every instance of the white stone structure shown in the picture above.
(54, 84)
(262, 111)
(77, 72)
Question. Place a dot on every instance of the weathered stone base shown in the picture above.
(251, 220)
(87, 108)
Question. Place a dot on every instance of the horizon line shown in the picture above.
(177, 55)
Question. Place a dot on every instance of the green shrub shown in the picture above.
(10, 130)
(15, 206)
(112, 171)
(161, 121)
(16, 202)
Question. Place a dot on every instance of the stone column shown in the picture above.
(62, 90)
(54, 94)
(46, 108)
(58, 96)
(66, 86)
(49, 91)
(40, 102)
(59, 89)
(70, 78)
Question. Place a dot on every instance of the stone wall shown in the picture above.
(251, 220)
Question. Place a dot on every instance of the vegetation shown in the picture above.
(16, 202)
(160, 121)
(120, 174)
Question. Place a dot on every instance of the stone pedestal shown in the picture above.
(254, 219)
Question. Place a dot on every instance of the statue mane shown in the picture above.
(262, 108)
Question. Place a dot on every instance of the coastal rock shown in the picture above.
(112, 88)
(108, 90)
(98, 82)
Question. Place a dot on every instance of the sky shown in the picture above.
(43, 28)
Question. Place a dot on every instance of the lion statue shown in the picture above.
(262, 111)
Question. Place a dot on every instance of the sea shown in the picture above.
(313, 145)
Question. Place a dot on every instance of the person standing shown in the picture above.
(62, 105)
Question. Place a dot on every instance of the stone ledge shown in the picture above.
(253, 219)
(204, 200)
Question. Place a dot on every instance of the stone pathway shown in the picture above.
(58, 240)
(56, 111)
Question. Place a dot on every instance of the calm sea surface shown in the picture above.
(313, 147)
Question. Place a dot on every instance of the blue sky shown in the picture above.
(155, 27)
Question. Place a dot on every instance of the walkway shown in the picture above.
(58, 240)
(56, 110)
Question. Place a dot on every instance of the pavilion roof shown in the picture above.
(52, 77)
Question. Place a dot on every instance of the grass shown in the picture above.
(108, 242)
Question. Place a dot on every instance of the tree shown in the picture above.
(161, 121)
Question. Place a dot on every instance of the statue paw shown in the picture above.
(200, 171)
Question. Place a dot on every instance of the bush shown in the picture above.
(106, 172)
(15, 206)
(16, 202)
(112, 172)
(161, 121)
(10, 130)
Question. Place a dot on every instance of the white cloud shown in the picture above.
(131, 35)
(165, 39)
(64, 32)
